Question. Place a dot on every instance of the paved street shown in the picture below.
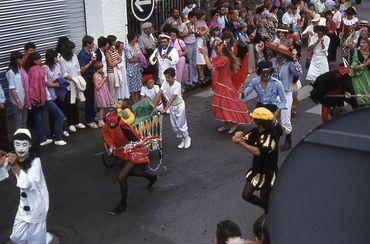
(200, 187)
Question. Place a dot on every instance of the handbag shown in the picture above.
(182, 50)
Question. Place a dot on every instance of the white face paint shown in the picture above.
(22, 148)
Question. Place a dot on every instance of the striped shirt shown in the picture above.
(114, 57)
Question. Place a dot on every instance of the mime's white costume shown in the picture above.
(30, 221)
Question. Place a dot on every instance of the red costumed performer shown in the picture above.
(116, 135)
(226, 105)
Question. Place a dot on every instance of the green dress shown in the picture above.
(360, 79)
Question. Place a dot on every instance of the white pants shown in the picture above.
(30, 233)
(286, 113)
(178, 120)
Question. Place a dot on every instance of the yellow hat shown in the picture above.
(262, 113)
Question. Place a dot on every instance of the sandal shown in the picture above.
(233, 129)
(222, 129)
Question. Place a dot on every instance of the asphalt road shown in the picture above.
(200, 187)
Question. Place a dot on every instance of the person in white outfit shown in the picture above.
(319, 45)
(165, 55)
(30, 221)
(171, 90)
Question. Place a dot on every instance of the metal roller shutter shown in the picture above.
(39, 21)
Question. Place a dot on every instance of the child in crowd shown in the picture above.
(102, 96)
(215, 34)
(171, 89)
(149, 89)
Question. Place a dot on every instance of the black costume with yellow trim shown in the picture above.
(265, 166)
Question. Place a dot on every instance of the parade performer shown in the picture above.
(171, 90)
(116, 134)
(30, 221)
(360, 71)
(332, 88)
(270, 91)
(165, 55)
(285, 69)
(226, 105)
(262, 142)
(319, 47)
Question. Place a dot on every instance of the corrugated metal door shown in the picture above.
(39, 21)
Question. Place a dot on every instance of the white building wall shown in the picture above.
(106, 17)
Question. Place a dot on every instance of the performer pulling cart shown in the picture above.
(132, 144)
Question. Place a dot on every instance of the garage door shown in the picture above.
(39, 21)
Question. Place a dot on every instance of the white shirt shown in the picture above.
(164, 63)
(287, 19)
(70, 67)
(318, 48)
(104, 61)
(309, 29)
(337, 18)
(32, 183)
(151, 93)
(169, 91)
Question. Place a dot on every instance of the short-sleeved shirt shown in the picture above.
(84, 58)
(266, 142)
(190, 38)
(15, 83)
(70, 67)
(151, 93)
(52, 75)
(147, 42)
(175, 89)
(2, 95)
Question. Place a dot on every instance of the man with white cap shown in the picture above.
(165, 55)
(30, 221)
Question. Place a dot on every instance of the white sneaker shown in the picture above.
(187, 142)
(101, 123)
(72, 128)
(60, 143)
(92, 125)
(65, 133)
(46, 142)
(181, 145)
(80, 126)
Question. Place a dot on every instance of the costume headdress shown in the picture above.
(23, 131)
(262, 113)
(146, 77)
(111, 118)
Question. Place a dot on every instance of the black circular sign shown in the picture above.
(142, 9)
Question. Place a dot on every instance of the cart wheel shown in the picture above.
(109, 161)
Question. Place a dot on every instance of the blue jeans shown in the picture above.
(38, 116)
(192, 55)
(57, 118)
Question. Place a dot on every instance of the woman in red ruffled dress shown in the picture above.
(226, 105)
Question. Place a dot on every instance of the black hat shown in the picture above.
(264, 66)
(351, 11)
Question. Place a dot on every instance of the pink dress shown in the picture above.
(181, 67)
(226, 105)
(103, 97)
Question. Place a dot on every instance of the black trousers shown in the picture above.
(4, 142)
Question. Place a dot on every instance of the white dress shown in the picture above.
(30, 221)
(123, 90)
(319, 62)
